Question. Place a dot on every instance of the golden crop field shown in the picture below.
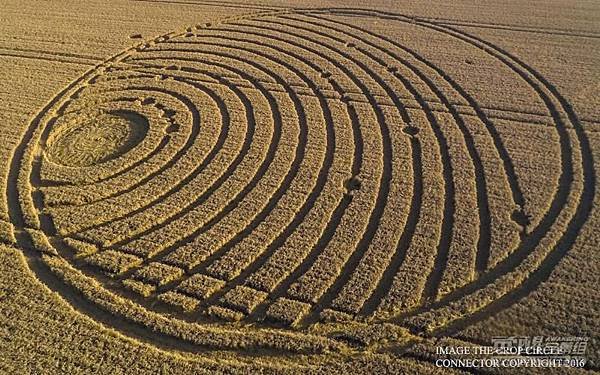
(191, 186)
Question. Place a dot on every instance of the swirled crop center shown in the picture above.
(95, 138)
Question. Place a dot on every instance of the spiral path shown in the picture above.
(289, 167)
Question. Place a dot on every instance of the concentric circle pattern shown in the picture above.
(288, 168)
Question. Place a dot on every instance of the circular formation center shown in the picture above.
(94, 139)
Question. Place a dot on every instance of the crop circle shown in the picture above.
(264, 172)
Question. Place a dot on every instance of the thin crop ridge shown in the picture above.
(334, 189)
(314, 88)
(480, 178)
(307, 205)
(256, 178)
(482, 258)
(356, 256)
(409, 227)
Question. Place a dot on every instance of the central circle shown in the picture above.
(95, 139)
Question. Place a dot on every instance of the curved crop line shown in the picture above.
(355, 169)
(529, 243)
(517, 195)
(338, 213)
(574, 226)
(235, 201)
(321, 178)
(559, 200)
(414, 211)
(484, 216)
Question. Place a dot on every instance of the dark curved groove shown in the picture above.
(321, 178)
(528, 244)
(381, 201)
(484, 214)
(516, 28)
(43, 272)
(588, 185)
(414, 215)
(38, 182)
(584, 207)
(109, 320)
(517, 195)
(143, 75)
(291, 174)
(262, 169)
(227, 4)
(90, 309)
(51, 59)
(280, 290)
(171, 162)
(15, 211)
(193, 135)
(63, 112)
(501, 113)
(209, 260)
(260, 349)
(559, 200)
(337, 215)
(49, 278)
(331, 229)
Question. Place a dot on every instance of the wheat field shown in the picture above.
(295, 187)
